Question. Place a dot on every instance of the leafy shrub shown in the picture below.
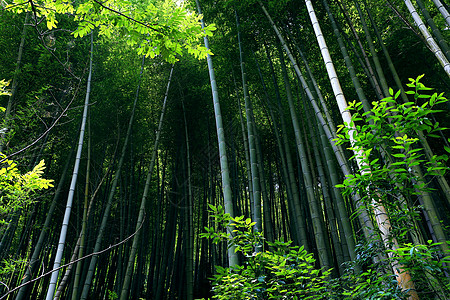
(388, 136)
(282, 271)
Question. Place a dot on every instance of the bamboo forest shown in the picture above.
(224, 149)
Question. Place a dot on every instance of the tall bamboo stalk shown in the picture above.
(251, 128)
(437, 33)
(428, 38)
(226, 183)
(403, 277)
(443, 11)
(65, 224)
(343, 163)
(45, 228)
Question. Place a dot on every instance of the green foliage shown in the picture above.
(376, 281)
(386, 140)
(427, 266)
(425, 263)
(16, 188)
(157, 27)
(112, 295)
(15, 194)
(3, 90)
(281, 272)
(10, 266)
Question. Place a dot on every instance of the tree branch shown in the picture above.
(45, 132)
(129, 18)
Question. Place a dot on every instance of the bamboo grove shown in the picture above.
(149, 113)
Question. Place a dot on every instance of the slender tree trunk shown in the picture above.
(437, 33)
(38, 247)
(228, 201)
(14, 85)
(251, 133)
(84, 221)
(443, 11)
(65, 225)
(429, 39)
(403, 278)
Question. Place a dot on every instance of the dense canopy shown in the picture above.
(258, 149)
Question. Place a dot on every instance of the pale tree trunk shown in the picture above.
(76, 282)
(77, 249)
(226, 183)
(65, 225)
(93, 262)
(33, 264)
(363, 216)
(443, 11)
(381, 216)
(437, 33)
(429, 39)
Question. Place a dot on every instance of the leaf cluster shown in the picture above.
(16, 188)
(3, 85)
(386, 141)
(427, 266)
(155, 27)
(282, 271)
